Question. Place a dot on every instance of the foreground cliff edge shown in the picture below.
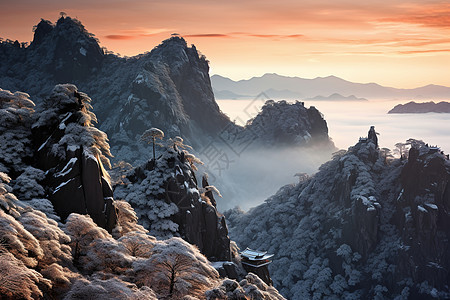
(52, 244)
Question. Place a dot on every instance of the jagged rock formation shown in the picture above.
(364, 226)
(372, 135)
(169, 202)
(284, 124)
(168, 88)
(421, 108)
(71, 152)
(281, 124)
(70, 52)
(423, 217)
(56, 154)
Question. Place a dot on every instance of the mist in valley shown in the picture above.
(253, 176)
(258, 173)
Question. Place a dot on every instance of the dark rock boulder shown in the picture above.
(74, 54)
(285, 124)
(424, 216)
(372, 135)
(364, 225)
(71, 151)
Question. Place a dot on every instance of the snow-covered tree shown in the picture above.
(127, 220)
(106, 255)
(148, 196)
(138, 244)
(52, 239)
(251, 287)
(69, 110)
(16, 112)
(26, 186)
(16, 280)
(175, 269)
(150, 136)
(83, 231)
(112, 288)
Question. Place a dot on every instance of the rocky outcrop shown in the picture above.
(71, 151)
(372, 135)
(169, 202)
(68, 51)
(285, 124)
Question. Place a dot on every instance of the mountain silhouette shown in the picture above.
(303, 88)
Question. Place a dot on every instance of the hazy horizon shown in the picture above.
(237, 78)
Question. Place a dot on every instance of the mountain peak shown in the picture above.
(41, 31)
(71, 52)
(65, 26)
(173, 41)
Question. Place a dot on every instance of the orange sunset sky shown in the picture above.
(394, 43)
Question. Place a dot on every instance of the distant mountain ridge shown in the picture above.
(337, 97)
(301, 88)
(421, 108)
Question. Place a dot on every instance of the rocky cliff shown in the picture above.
(55, 153)
(285, 124)
(169, 202)
(364, 226)
(168, 87)
(423, 217)
(72, 152)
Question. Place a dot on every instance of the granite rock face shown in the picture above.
(285, 124)
(70, 151)
(423, 217)
(69, 52)
(169, 202)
